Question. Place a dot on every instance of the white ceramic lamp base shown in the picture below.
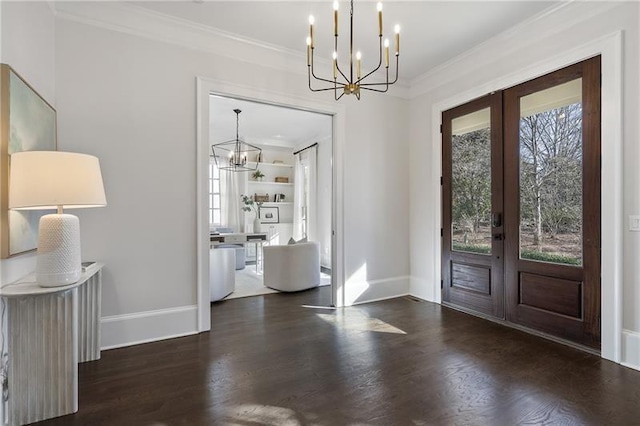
(58, 261)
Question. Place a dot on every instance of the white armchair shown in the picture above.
(292, 267)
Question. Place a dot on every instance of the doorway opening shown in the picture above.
(286, 201)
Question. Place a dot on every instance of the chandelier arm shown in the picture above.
(376, 68)
(387, 83)
(335, 93)
(320, 78)
(316, 90)
(329, 81)
(335, 49)
(323, 90)
(375, 84)
(397, 66)
(342, 74)
(375, 90)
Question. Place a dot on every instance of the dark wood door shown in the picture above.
(552, 203)
(472, 259)
(533, 149)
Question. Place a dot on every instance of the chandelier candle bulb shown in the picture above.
(311, 21)
(308, 51)
(386, 53)
(359, 64)
(397, 30)
(335, 65)
(336, 6)
(379, 6)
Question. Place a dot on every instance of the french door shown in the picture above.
(521, 204)
(473, 261)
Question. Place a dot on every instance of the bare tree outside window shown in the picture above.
(471, 191)
(551, 185)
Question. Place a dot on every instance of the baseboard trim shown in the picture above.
(631, 349)
(359, 292)
(423, 289)
(380, 299)
(150, 326)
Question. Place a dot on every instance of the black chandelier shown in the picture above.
(232, 155)
(350, 84)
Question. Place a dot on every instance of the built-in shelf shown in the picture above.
(253, 163)
(254, 182)
(273, 203)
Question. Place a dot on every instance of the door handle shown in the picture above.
(498, 237)
(496, 220)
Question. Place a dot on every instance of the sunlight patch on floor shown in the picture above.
(331, 308)
(250, 283)
(270, 415)
(352, 319)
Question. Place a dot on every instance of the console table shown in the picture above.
(51, 330)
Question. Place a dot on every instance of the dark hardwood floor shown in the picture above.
(269, 360)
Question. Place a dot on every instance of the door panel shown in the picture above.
(552, 203)
(472, 185)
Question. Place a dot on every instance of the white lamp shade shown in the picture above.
(48, 179)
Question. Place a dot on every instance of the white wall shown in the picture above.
(132, 102)
(27, 44)
(376, 198)
(507, 57)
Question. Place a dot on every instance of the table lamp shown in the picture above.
(40, 180)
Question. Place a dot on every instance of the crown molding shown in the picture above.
(138, 21)
(550, 21)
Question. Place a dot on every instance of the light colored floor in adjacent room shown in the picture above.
(249, 283)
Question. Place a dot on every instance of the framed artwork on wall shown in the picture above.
(27, 123)
(269, 214)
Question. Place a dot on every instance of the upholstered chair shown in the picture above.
(292, 267)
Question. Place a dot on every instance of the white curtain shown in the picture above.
(306, 195)
(312, 193)
(298, 197)
(231, 185)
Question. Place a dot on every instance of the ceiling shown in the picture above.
(266, 125)
(432, 32)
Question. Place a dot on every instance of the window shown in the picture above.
(214, 195)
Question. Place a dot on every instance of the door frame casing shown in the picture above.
(208, 86)
(610, 48)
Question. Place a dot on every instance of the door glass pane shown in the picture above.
(551, 174)
(471, 182)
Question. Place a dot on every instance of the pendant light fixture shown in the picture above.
(350, 84)
(232, 155)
